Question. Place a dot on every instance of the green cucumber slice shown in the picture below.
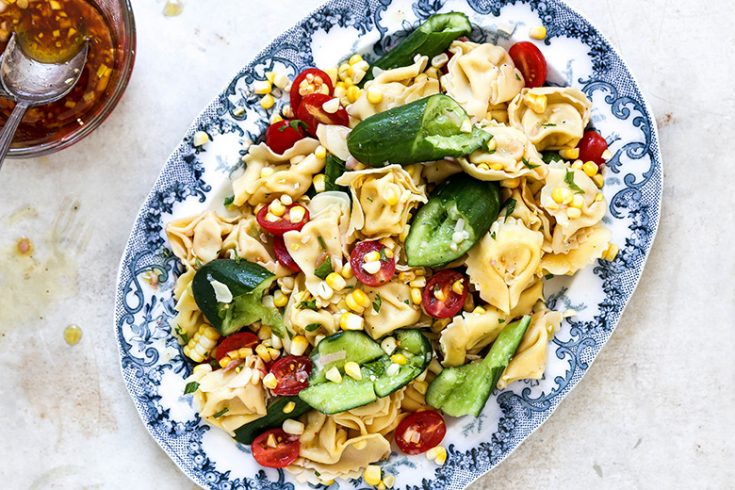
(274, 418)
(330, 398)
(357, 347)
(417, 349)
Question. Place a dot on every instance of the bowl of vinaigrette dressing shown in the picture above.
(52, 31)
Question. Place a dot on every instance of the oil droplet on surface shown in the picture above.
(173, 8)
(72, 334)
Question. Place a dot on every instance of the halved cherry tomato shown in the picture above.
(591, 148)
(316, 73)
(284, 134)
(286, 450)
(282, 256)
(312, 112)
(234, 342)
(529, 59)
(292, 373)
(452, 302)
(420, 431)
(357, 259)
(283, 223)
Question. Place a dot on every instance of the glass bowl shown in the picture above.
(120, 17)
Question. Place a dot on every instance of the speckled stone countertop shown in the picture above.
(656, 409)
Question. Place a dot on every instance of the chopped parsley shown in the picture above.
(492, 235)
(324, 269)
(501, 320)
(180, 332)
(518, 77)
(529, 164)
(377, 303)
(548, 125)
(221, 413)
(549, 276)
(569, 179)
(509, 208)
(307, 305)
(383, 256)
(191, 387)
(322, 243)
(293, 124)
(312, 326)
(229, 200)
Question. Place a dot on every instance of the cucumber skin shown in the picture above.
(465, 390)
(419, 346)
(333, 169)
(430, 39)
(330, 398)
(274, 418)
(475, 201)
(343, 341)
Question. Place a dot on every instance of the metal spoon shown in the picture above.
(32, 82)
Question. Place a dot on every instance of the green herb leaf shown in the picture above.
(321, 241)
(296, 123)
(377, 303)
(569, 179)
(550, 156)
(510, 206)
(324, 269)
(307, 305)
(312, 326)
(181, 333)
(549, 276)
(383, 256)
(501, 320)
(487, 145)
(221, 413)
(529, 164)
(492, 235)
(191, 387)
(548, 125)
(518, 77)
(229, 200)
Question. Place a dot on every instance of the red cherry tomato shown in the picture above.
(292, 373)
(234, 342)
(529, 59)
(316, 73)
(282, 256)
(312, 112)
(357, 259)
(286, 450)
(591, 148)
(284, 134)
(420, 432)
(452, 302)
(283, 223)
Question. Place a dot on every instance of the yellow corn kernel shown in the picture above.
(271, 441)
(374, 96)
(277, 208)
(484, 167)
(350, 321)
(574, 213)
(267, 102)
(361, 298)
(389, 345)
(607, 155)
(262, 87)
(538, 32)
(270, 381)
(590, 168)
(200, 138)
(599, 197)
(399, 359)
(210, 332)
(355, 59)
(599, 181)
(320, 152)
(569, 153)
(458, 286)
(416, 296)
(333, 74)
(611, 253)
(244, 352)
(537, 103)
(496, 166)
(336, 281)
(299, 344)
(289, 407)
(347, 271)
(372, 475)
(276, 118)
(389, 480)
(319, 182)
(510, 183)
(279, 299)
(353, 93)
(352, 369)
(353, 304)
(479, 310)
(296, 214)
(561, 195)
(263, 352)
(578, 201)
(224, 361)
(437, 454)
(293, 427)
(333, 375)
(265, 332)
(373, 256)
(389, 253)
(577, 165)
(439, 294)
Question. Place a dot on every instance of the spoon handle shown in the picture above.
(11, 126)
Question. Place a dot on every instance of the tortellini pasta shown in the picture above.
(510, 155)
(398, 86)
(554, 118)
(396, 309)
(305, 321)
(382, 200)
(230, 398)
(188, 316)
(249, 243)
(199, 238)
(505, 262)
(380, 417)
(480, 76)
(529, 361)
(586, 245)
(468, 331)
(588, 209)
(269, 175)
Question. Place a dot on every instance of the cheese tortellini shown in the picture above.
(396, 310)
(199, 238)
(480, 76)
(554, 118)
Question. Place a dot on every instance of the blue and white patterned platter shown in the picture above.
(195, 179)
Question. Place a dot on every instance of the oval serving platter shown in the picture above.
(198, 178)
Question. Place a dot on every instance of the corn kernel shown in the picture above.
(355, 59)
(538, 32)
(333, 74)
(590, 168)
(611, 253)
(361, 298)
(484, 167)
(458, 286)
(389, 253)
(353, 93)
(263, 352)
(561, 195)
(274, 353)
(244, 352)
(224, 362)
(292, 427)
(371, 267)
(437, 454)
(277, 208)
(320, 152)
(574, 213)
(267, 102)
(373, 256)
(439, 294)
(333, 375)
(279, 299)
(336, 281)
(353, 305)
(537, 103)
(569, 153)
(607, 155)
(599, 197)
(299, 345)
(389, 480)
(352, 369)
(479, 310)
(577, 165)
(347, 271)
(262, 87)
(399, 359)
(296, 214)
(374, 96)
(389, 345)
(416, 296)
(200, 138)
(599, 181)
(497, 166)
(265, 332)
(319, 182)
(271, 441)
(350, 321)
(289, 407)
(270, 381)
(372, 475)
(578, 201)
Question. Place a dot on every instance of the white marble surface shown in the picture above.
(656, 409)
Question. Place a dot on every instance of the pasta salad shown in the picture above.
(380, 264)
